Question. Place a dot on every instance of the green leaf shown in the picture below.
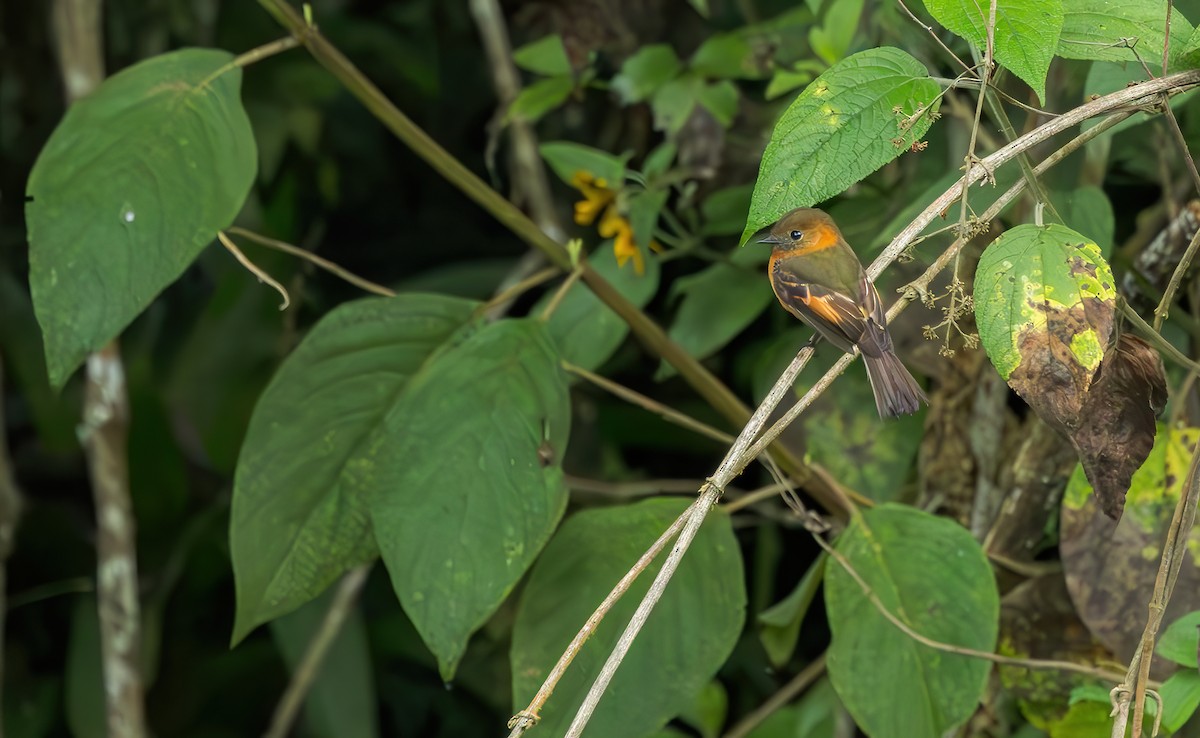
(1029, 272)
(466, 481)
(134, 182)
(688, 636)
(1189, 55)
(586, 330)
(567, 158)
(341, 700)
(720, 99)
(1087, 210)
(815, 715)
(545, 56)
(1179, 641)
(1026, 34)
(786, 80)
(725, 211)
(644, 209)
(300, 496)
(832, 40)
(700, 6)
(1181, 696)
(660, 159)
(1106, 76)
(780, 623)
(726, 56)
(915, 690)
(1094, 29)
(718, 304)
(848, 108)
(540, 98)
(84, 678)
(645, 72)
(674, 102)
(707, 714)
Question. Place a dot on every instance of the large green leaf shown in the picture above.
(136, 180)
(1100, 29)
(1181, 696)
(341, 701)
(586, 330)
(466, 478)
(815, 715)
(299, 515)
(1025, 37)
(688, 636)
(567, 159)
(644, 72)
(1179, 642)
(892, 685)
(842, 127)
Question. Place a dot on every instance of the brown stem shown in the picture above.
(287, 248)
(780, 699)
(104, 434)
(305, 673)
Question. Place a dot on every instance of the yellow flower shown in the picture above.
(599, 201)
(596, 196)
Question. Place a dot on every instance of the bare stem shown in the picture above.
(344, 600)
(1164, 305)
(254, 269)
(287, 248)
(780, 699)
(528, 717)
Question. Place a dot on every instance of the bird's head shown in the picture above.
(803, 229)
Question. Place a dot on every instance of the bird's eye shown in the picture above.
(796, 235)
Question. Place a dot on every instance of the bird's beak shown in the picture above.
(765, 236)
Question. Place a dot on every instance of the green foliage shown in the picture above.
(815, 715)
(894, 548)
(646, 72)
(1181, 696)
(687, 638)
(1025, 36)
(544, 56)
(1105, 30)
(566, 158)
(135, 181)
(874, 103)
(1180, 641)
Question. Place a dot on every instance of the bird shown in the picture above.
(819, 279)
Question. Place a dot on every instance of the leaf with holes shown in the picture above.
(688, 636)
(857, 116)
(134, 182)
(1025, 37)
(894, 686)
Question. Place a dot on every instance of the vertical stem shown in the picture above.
(103, 433)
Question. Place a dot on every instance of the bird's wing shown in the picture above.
(838, 317)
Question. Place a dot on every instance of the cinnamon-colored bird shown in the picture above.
(819, 279)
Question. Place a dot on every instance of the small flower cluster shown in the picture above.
(600, 201)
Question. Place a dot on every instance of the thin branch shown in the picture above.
(104, 435)
(636, 488)
(1164, 305)
(306, 672)
(1181, 142)
(506, 295)
(254, 269)
(933, 33)
(561, 293)
(666, 412)
(1155, 338)
(527, 718)
(1175, 550)
(364, 284)
(780, 699)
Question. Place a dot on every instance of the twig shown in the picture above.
(1156, 338)
(1164, 305)
(1175, 550)
(933, 33)
(287, 248)
(344, 600)
(528, 176)
(561, 293)
(637, 488)
(780, 699)
(1044, 664)
(666, 412)
(104, 435)
(506, 295)
(10, 514)
(1181, 142)
(528, 717)
(254, 269)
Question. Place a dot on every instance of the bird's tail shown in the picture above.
(896, 392)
